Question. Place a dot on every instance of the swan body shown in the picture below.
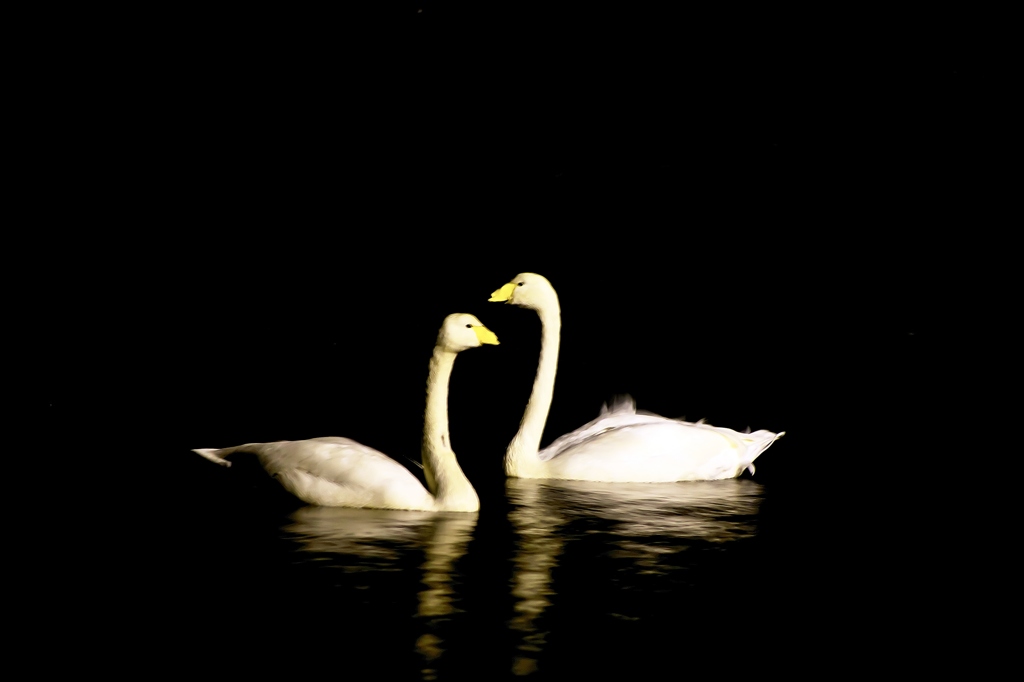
(340, 472)
(622, 445)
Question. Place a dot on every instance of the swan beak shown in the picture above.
(485, 335)
(504, 293)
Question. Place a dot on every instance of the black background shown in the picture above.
(254, 224)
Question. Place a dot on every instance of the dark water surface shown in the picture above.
(829, 548)
(550, 579)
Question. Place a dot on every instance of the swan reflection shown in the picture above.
(380, 539)
(648, 526)
(714, 511)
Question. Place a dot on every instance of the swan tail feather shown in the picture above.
(214, 455)
(759, 442)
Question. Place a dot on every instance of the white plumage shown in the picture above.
(340, 472)
(621, 445)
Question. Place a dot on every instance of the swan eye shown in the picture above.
(520, 284)
(469, 326)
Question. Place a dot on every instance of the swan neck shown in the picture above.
(521, 458)
(451, 489)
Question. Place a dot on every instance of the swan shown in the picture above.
(622, 445)
(340, 472)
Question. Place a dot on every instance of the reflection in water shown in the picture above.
(447, 542)
(716, 511)
(610, 558)
(378, 538)
(645, 524)
(538, 545)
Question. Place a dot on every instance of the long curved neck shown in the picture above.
(521, 457)
(452, 490)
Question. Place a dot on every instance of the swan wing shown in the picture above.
(335, 471)
(620, 413)
(659, 450)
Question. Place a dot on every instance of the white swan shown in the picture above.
(621, 445)
(339, 472)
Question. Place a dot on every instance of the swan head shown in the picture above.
(461, 331)
(528, 290)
